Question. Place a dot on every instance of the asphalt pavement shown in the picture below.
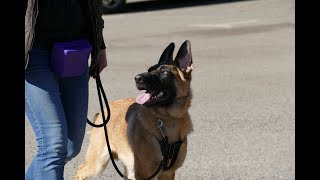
(243, 82)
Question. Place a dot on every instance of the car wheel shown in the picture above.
(113, 6)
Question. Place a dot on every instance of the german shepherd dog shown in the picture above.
(151, 128)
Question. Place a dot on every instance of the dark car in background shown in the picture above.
(113, 6)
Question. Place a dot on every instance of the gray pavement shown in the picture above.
(243, 84)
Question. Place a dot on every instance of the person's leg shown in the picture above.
(45, 113)
(74, 97)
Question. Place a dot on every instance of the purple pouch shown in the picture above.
(70, 58)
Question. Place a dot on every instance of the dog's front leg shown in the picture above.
(128, 162)
(166, 176)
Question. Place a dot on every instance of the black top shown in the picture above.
(60, 20)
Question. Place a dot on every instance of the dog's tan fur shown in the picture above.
(132, 130)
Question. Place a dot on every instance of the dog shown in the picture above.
(149, 129)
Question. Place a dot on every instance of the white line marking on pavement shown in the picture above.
(226, 25)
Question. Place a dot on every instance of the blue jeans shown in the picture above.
(57, 111)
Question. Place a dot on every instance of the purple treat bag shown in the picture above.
(70, 58)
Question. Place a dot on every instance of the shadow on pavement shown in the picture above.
(153, 5)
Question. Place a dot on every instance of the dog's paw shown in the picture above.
(80, 175)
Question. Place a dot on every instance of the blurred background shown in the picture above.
(243, 81)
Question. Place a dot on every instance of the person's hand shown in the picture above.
(102, 60)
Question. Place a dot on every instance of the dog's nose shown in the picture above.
(138, 78)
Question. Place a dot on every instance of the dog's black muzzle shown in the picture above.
(145, 80)
(141, 78)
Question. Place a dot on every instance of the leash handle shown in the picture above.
(99, 85)
(100, 89)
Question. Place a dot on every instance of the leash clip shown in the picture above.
(160, 126)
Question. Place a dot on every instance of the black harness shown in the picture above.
(169, 152)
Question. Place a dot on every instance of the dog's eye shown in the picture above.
(165, 72)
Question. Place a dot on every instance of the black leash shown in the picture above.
(104, 125)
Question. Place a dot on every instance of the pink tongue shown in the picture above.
(143, 98)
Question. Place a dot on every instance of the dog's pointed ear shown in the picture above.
(184, 57)
(167, 55)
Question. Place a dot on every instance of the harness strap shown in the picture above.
(169, 152)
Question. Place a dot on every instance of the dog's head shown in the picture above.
(169, 79)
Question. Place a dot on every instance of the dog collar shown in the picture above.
(169, 151)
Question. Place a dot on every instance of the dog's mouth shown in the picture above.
(153, 97)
